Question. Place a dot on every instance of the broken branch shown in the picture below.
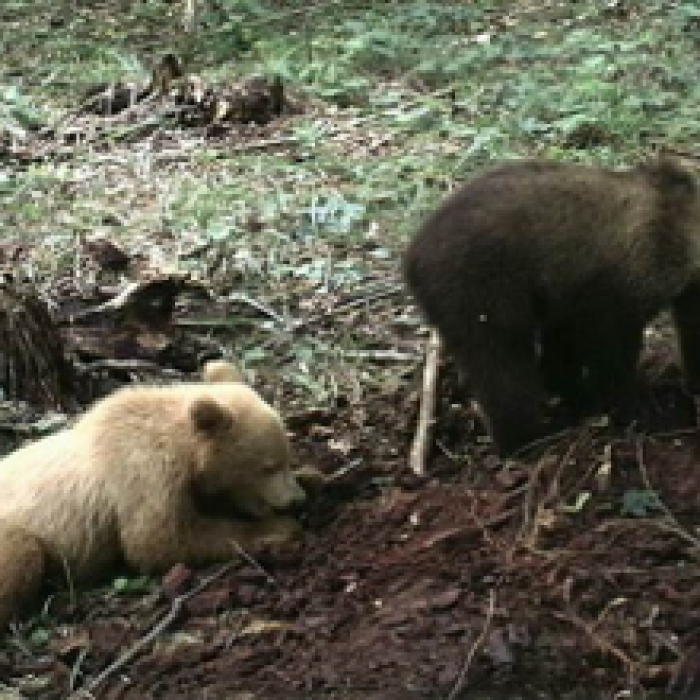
(421, 441)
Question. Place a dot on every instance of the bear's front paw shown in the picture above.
(277, 541)
(310, 479)
(273, 532)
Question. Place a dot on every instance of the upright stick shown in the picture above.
(426, 417)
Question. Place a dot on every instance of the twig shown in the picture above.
(146, 640)
(258, 306)
(138, 108)
(340, 473)
(531, 523)
(144, 300)
(529, 507)
(381, 355)
(65, 120)
(362, 301)
(254, 563)
(478, 643)
(542, 442)
(680, 432)
(72, 114)
(132, 365)
(350, 304)
(264, 144)
(76, 669)
(452, 456)
(116, 303)
(601, 642)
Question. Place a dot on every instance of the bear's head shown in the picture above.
(242, 451)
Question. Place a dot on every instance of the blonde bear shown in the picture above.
(124, 486)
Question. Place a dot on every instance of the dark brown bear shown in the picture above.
(541, 277)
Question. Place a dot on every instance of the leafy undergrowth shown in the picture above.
(292, 230)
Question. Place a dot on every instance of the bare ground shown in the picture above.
(549, 577)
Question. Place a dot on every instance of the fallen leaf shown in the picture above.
(176, 581)
(498, 649)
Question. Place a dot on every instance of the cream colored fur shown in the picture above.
(221, 371)
(119, 486)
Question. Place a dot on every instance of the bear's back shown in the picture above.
(533, 207)
(156, 419)
(570, 234)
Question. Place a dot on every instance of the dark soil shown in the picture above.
(593, 586)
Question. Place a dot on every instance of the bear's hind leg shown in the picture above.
(562, 369)
(22, 568)
(611, 349)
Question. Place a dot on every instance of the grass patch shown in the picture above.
(403, 100)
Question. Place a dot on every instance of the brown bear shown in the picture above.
(541, 276)
(122, 485)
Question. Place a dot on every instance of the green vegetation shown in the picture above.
(399, 101)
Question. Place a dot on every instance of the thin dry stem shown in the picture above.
(674, 525)
(478, 643)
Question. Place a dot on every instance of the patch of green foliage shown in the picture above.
(439, 88)
(640, 503)
(418, 94)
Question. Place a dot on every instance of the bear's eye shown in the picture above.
(270, 469)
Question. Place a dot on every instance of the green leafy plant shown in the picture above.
(640, 503)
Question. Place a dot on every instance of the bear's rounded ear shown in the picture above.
(209, 417)
(221, 371)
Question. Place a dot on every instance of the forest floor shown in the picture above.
(573, 572)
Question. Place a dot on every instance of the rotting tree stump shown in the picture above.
(33, 364)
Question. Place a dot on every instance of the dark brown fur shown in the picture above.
(541, 277)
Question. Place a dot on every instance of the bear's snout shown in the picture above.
(283, 491)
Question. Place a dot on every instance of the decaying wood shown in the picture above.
(33, 363)
(255, 98)
(149, 303)
(421, 441)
